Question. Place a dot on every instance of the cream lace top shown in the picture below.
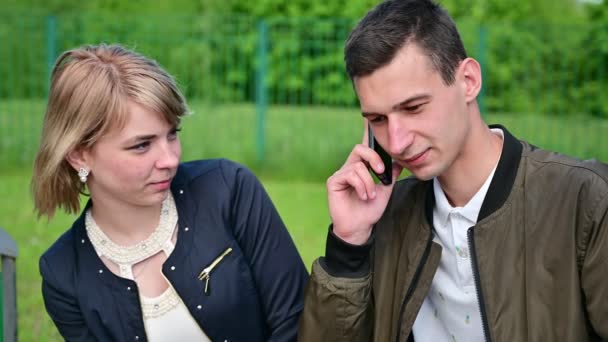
(166, 317)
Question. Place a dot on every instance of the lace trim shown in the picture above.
(130, 255)
(158, 306)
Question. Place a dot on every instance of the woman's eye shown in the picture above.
(140, 147)
(173, 133)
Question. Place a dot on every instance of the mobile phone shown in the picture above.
(385, 177)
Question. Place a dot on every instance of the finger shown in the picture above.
(365, 132)
(366, 177)
(348, 179)
(362, 153)
(397, 169)
(355, 180)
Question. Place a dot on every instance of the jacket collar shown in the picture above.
(502, 182)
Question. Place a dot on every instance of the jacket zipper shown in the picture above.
(410, 290)
(480, 300)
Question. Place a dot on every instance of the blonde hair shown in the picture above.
(90, 87)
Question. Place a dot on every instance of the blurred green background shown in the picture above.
(267, 86)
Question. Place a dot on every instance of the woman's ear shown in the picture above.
(470, 71)
(77, 159)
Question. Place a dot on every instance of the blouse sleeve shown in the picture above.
(278, 270)
(62, 307)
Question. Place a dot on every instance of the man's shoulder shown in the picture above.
(556, 168)
(539, 158)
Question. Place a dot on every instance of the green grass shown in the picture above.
(304, 145)
(302, 206)
(32, 238)
(301, 143)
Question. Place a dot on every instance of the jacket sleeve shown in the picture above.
(278, 270)
(338, 304)
(62, 307)
(595, 269)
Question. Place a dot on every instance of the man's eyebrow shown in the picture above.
(402, 104)
(414, 98)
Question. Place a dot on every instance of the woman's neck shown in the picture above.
(125, 224)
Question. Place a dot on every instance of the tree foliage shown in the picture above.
(538, 56)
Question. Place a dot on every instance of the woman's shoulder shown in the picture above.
(216, 171)
(61, 255)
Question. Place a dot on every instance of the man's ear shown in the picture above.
(77, 158)
(470, 73)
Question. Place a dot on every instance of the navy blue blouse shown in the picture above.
(256, 292)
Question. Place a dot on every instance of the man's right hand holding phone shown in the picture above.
(355, 201)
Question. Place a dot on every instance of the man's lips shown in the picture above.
(415, 158)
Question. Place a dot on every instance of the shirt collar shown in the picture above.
(442, 206)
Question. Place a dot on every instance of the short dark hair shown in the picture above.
(374, 42)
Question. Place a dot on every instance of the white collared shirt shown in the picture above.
(450, 311)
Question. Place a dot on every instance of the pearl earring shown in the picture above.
(83, 173)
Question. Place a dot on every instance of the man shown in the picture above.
(492, 239)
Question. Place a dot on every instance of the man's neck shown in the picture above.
(472, 167)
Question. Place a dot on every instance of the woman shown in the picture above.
(162, 251)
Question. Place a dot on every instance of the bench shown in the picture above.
(8, 288)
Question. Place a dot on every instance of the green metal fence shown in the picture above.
(272, 93)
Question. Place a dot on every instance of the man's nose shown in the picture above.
(400, 136)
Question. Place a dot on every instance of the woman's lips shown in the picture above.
(162, 185)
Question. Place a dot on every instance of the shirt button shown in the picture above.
(100, 271)
(136, 338)
(181, 191)
(82, 240)
(186, 229)
(172, 268)
(128, 288)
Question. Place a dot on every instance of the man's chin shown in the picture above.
(423, 174)
(423, 178)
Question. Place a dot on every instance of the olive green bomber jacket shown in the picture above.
(539, 250)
